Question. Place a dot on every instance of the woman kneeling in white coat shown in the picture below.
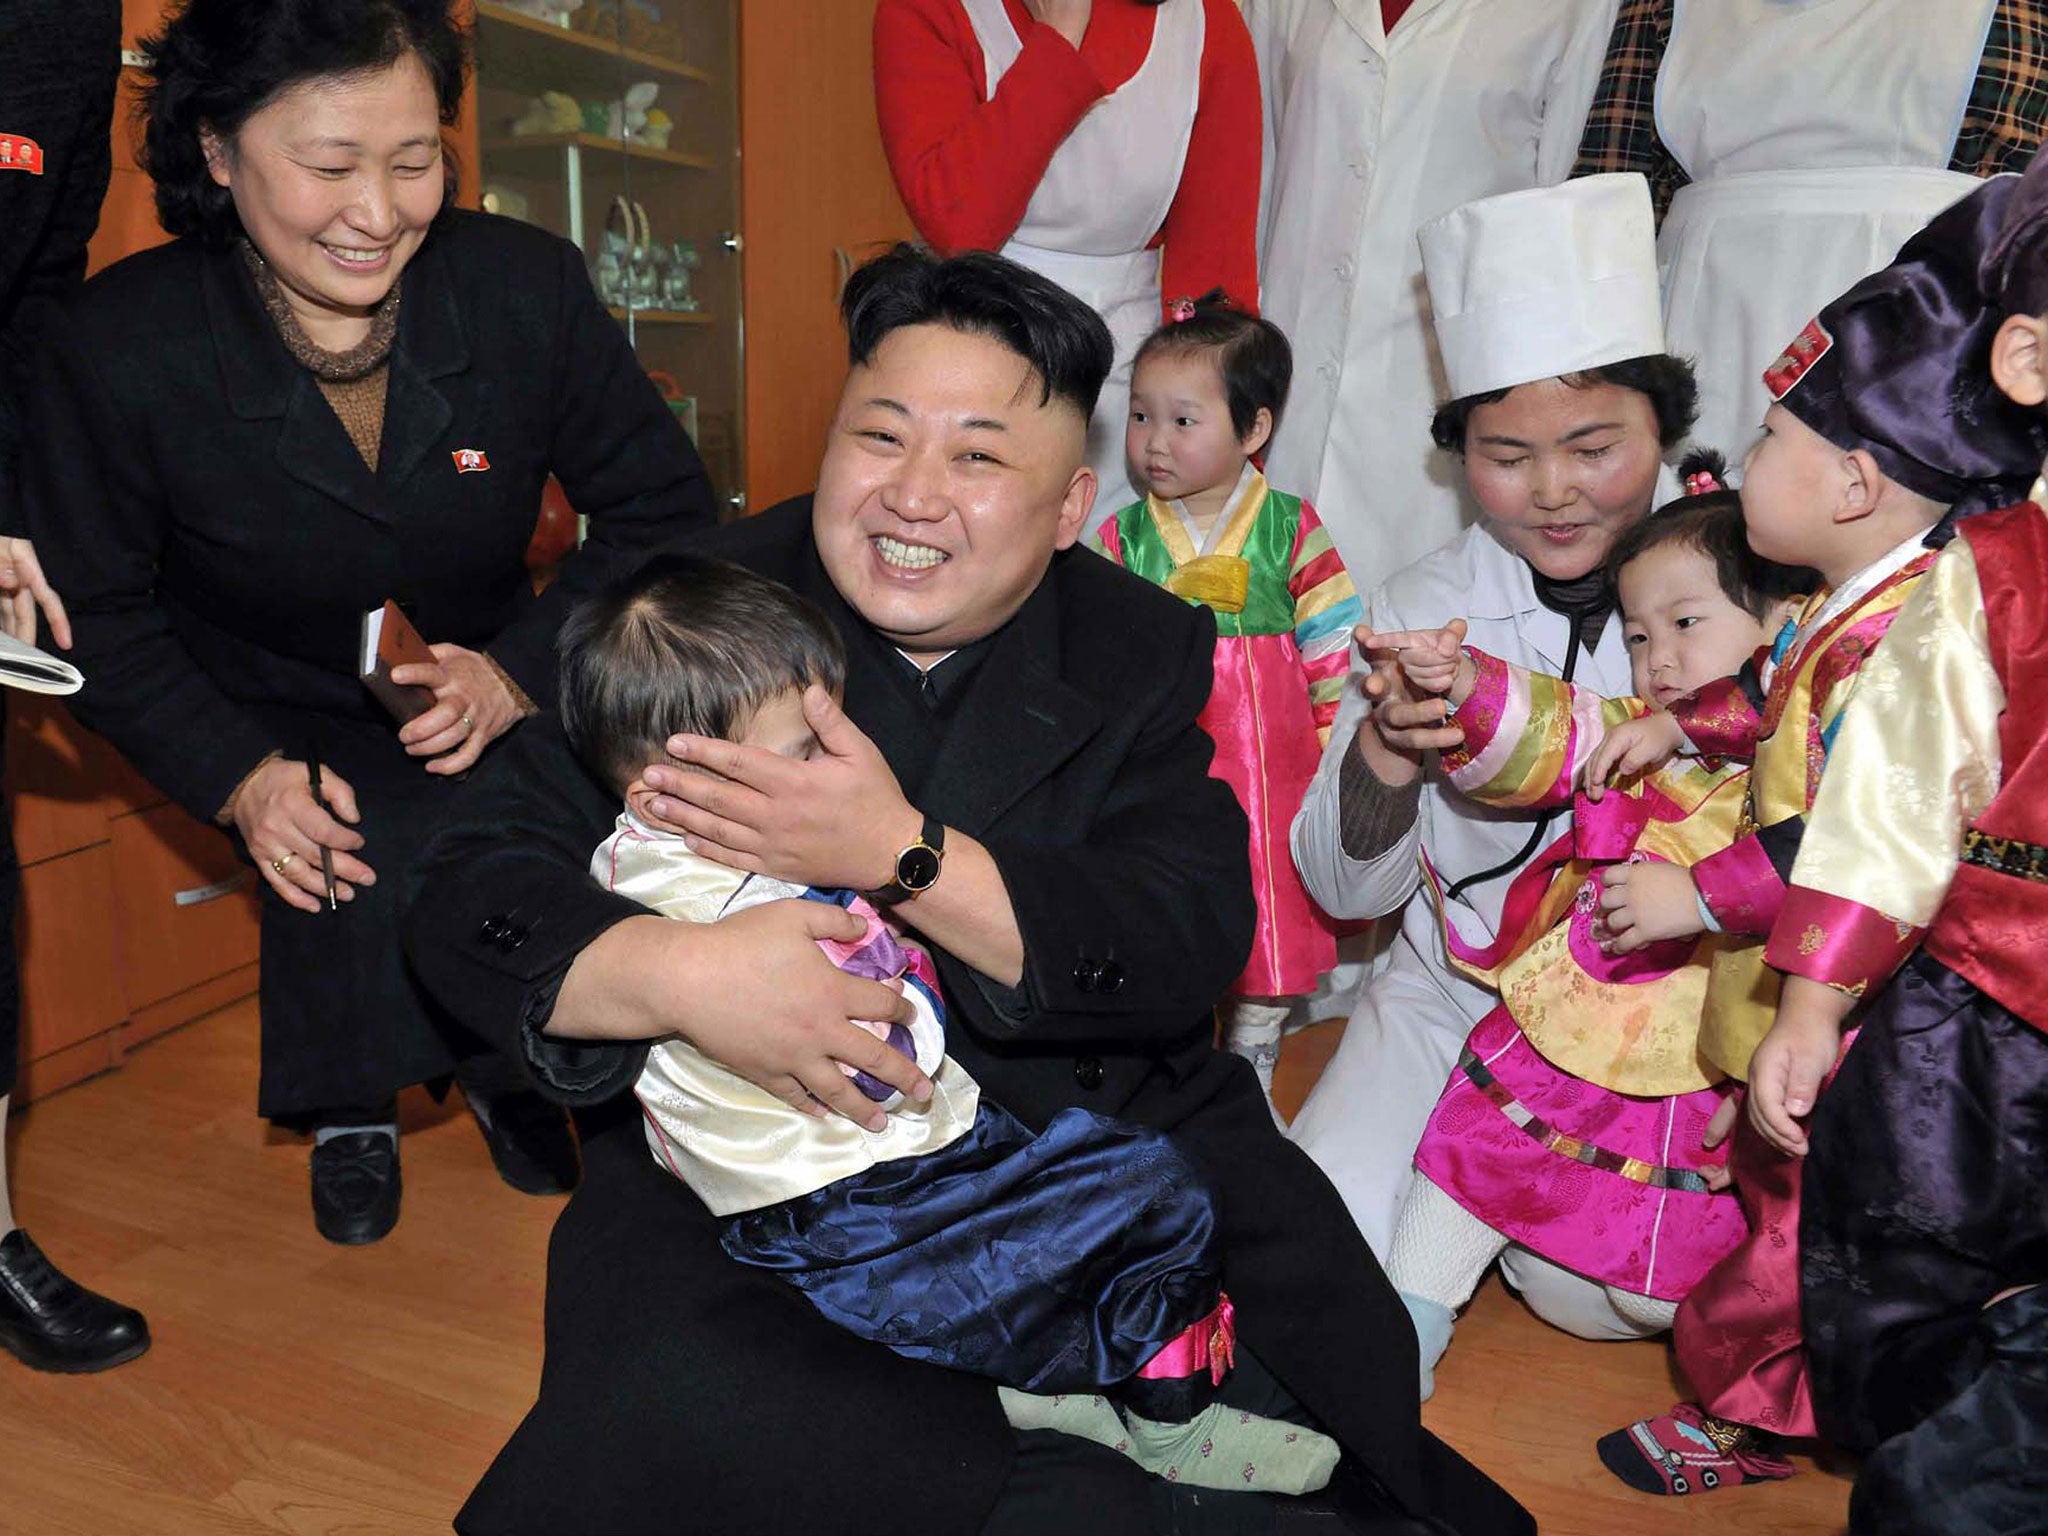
(1564, 404)
(1373, 127)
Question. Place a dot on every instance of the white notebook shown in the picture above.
(36, 671)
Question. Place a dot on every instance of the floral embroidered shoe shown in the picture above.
(1687, 1451)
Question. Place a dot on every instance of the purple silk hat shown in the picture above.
(1900, 365)
(2014, 270)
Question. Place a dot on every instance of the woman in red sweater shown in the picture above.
(1111, 144)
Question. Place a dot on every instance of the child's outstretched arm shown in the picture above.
(1326, 611)
(1526, 735)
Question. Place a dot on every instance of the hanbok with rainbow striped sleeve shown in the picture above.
(1285, 608)
(1573, 1122)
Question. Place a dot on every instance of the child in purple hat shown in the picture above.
(1884, 425)
(1921, 890)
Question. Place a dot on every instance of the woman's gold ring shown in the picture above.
(277, 864)
(468, 724)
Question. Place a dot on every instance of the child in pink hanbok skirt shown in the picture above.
(1581, 1120)
(1206, 392)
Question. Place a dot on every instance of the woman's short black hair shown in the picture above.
(1710, 521)
(684, 644)
(1252, 354)
(218, 61)
(1063, 340)
(1668, 381)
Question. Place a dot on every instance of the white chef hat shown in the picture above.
(1554, 280)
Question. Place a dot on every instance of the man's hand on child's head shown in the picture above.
(1645, 903)
(1786, 1073)
(1632, 747)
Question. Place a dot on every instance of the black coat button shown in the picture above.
(1087, 975)
(512, 937)
(492, 931)
(1088, 1072)
(1110, 976)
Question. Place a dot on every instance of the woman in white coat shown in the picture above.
(1816, 136)
(1370, 133)
(1546, 305)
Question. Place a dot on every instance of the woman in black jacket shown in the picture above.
(329, 391)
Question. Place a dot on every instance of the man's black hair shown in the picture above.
(981, 294)
(1252, 354)
(1668, 381)
(685, 644)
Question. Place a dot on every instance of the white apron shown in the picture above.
(1817, 134)
(1369, 135)
(1103, 197)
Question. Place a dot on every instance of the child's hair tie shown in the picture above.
(1703, 483)
(1180, 310)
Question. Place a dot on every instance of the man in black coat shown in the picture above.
(58, 70)
(1019, 774)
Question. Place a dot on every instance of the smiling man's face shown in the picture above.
(947, 485)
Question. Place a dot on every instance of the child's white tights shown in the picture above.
(1441, 1252)
(1252, 1027)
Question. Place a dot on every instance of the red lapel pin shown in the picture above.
(20, 154)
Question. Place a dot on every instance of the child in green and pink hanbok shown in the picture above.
(1206, 391)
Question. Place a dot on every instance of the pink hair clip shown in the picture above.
(1702, 483)
(1180, 310)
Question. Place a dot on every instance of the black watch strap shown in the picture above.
(917, 866)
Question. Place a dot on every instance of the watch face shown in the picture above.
(916, 867)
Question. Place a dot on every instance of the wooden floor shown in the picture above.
(302, 1388)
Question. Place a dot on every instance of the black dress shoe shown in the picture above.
(51, 1322)
(356, 1186)
(532, 1143)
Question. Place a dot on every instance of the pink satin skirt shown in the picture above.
(1603, 1183)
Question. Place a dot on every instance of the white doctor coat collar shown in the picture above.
(1366, 19)
(1503, 587)
(1503, 590)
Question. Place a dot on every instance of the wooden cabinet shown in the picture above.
(612, 123)
(817, 200)
(814, 198)
(134, 917)
(185, 906)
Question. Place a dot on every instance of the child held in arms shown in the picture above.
(1066, 1265)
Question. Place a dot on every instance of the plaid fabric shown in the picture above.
(2002, 124)
(1621, 127)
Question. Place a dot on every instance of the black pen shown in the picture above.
(326, 853)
